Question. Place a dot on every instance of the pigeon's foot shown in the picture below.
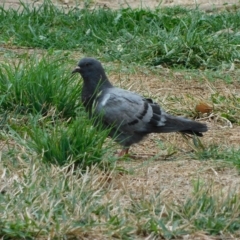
(123, 152)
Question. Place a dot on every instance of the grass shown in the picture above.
(92, 208)
(218, 153)
(59, 176)
(60, 200)
(76, 142)
(41, 108)
(39, 85)
(169, 37)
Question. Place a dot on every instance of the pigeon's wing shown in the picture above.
(132, 113)
(129, 111)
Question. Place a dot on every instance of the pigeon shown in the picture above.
(129, 116)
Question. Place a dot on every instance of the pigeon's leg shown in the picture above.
(123, 152)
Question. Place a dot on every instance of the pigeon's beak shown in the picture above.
(76, 70)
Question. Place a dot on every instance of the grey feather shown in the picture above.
(131, 116)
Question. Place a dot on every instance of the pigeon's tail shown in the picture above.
(183, 125)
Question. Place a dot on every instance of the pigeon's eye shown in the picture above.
(87, 64)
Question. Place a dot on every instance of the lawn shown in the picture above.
(60, 176)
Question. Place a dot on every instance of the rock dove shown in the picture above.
(130, 116)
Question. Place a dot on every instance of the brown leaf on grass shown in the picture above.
(203, 107)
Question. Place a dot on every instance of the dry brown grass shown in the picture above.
(175, 177)
(178, 92)
(207, 5)
(169, 173)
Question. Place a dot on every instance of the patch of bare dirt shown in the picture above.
(115, 4)
(175, 180)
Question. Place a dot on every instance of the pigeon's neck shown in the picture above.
(94, 86)
(104, 83)
(91, 89)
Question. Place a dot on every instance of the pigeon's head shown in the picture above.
(89, 67)
(92, 73)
